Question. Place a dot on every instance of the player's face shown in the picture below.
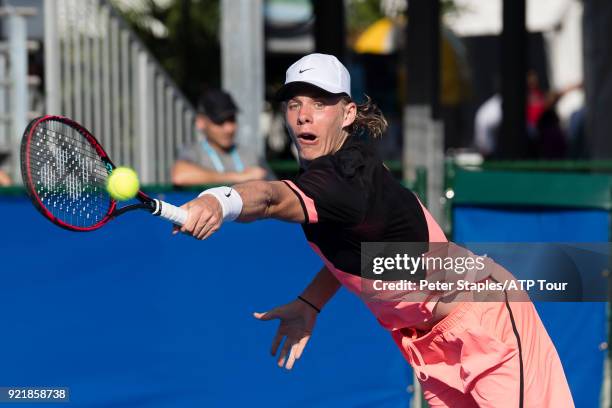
(220, 134)
(316, 122)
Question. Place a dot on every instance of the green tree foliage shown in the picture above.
(184, 35)
(360, 14)
(188, 46)
(449, 7)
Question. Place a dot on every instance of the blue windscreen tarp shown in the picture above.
(131, 316)
(577, 329)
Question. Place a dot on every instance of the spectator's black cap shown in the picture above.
(218, 105)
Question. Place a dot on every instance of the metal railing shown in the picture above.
(14, 82)
(100, 74)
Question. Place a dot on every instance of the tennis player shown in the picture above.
(465, 354)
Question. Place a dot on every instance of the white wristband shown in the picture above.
(230, 200)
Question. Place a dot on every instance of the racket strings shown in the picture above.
(68, 175)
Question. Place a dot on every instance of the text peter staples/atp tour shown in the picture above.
(464, 285)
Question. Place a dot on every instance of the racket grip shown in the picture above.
(170, 212)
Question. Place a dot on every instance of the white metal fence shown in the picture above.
(15, 99)
(98, 73)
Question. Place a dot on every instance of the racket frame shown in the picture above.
(113, 211)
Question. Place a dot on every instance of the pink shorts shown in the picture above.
(471, 359)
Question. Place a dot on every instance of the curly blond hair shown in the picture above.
(369, 119)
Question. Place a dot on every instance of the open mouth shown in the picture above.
(307, 138)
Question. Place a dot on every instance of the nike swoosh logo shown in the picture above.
(229, 193)
(301, 71)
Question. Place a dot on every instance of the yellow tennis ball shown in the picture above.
(122, 184)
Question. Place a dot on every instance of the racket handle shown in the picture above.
(170, 212)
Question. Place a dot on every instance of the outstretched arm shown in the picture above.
(321, 289)
(269, 199)
(260, 199)
(298, 318)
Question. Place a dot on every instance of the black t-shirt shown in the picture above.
(350, 197)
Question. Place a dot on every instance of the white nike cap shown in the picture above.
(321, 70)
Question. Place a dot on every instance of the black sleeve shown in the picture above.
(336, 198)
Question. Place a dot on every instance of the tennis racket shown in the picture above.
(64, 171)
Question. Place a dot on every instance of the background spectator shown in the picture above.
(215, 158)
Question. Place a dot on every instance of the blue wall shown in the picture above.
(577, 329)
(131, 316)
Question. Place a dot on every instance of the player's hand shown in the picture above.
(252, 174)
(5, 180)
(204, 217)
(297, 321)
